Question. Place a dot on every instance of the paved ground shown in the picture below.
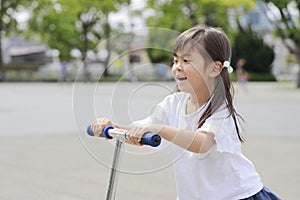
(46, 154)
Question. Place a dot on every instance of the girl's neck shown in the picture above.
(195, 102)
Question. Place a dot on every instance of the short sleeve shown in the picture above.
(161, 114)
(225, 134)
(157, 116)
(166, 112)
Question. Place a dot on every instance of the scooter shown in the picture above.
(120, 135)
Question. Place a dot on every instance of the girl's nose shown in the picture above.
(177, 66)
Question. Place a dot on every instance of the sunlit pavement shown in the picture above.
(46, 154)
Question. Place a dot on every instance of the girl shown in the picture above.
(200, 124)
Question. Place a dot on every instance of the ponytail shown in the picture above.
(223, 94)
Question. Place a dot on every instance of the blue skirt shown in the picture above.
(264, 194)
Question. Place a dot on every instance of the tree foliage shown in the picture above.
(72, 24)
(179, 15)
(161, 42)
(8, 23)
(285, 23)
(251, 47)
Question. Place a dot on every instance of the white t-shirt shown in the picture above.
(223, 173)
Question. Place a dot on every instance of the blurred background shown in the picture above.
(62, 40)
(64, 62)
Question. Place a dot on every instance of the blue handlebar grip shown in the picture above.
(104, 132)
(89, 130)
(151, 139)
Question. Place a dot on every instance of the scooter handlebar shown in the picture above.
(151, 139)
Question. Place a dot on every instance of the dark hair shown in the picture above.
(214, 45)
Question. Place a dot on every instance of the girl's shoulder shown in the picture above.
(177, 96)
(173, 100)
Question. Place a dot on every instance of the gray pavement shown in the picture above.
(46, 154)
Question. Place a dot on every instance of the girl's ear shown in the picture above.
(215, 69)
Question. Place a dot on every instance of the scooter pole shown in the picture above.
(113, 180)
(109, 132)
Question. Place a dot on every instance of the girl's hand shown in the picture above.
(136, 133)
(99, 124)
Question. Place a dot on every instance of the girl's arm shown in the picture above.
(197, 142)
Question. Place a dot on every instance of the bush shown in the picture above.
(258, 55)
(261, 77)
(256, 76)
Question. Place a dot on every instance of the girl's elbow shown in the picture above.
(203, 145)
(200, 150)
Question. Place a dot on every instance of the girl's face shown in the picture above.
(190, 72)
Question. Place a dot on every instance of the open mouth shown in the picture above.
(181, 78)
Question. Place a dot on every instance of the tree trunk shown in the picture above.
(298, 78)
(84, 54)
(1, 58)
(106, 62)
(1, 27)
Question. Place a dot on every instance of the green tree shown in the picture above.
(72, 24)
(180, 15)
(161, 41)
(8, 23)
(251, 47)
(286, 25)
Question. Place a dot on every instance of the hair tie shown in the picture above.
(226, 64)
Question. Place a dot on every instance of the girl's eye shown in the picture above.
(186, 61)
(175, 61)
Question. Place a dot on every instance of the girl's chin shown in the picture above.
(184, 88)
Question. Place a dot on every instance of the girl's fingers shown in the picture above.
(135, 136)
(95, 128)
(98, 126)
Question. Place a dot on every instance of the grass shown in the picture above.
(256, 77)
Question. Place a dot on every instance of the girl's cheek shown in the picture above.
(173, 71)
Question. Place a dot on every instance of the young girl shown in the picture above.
(200, 124)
